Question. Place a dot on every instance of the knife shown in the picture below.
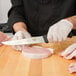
(32, 40)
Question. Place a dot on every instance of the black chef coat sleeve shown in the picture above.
(16, 13)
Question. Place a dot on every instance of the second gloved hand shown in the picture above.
(70, 52)
(20, 35)
(59, 31)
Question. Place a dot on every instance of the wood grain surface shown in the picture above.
(13, 63)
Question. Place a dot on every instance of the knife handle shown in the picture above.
(71, 34)
(46, 40)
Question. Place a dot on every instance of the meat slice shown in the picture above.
(3, 37)
(72, 68)
(36, 52)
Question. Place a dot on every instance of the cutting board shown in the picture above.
(13, 63)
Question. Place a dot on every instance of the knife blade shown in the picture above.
(32, 40)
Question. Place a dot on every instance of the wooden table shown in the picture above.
(13, 63)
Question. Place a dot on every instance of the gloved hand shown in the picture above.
(72, 67)
(20, 35)
(70, 52)
(59, 31)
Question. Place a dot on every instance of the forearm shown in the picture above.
(73, 21)
(19, 26)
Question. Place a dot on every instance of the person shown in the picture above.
(70, 53)
(54, 18)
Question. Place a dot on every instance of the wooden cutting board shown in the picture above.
(12, 63)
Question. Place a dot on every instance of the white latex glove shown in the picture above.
(59, 31)
(70, 52)
(20, 35)
(72, 67)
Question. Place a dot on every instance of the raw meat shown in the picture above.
(36, 52)
(72, 68)
(3, 37)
